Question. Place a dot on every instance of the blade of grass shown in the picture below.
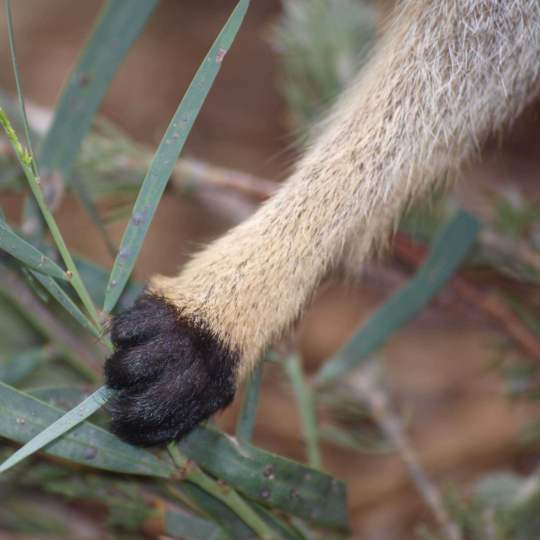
(50, 284)
(25, 161)
(225, 494)
(93, 213)
(66, 422)
(23, 251)
(117, 27)
(446, 254)
(180, 524)
(17, 367)
(234, 527)
(166, 155)
(22, 415)
(248, 411)
(269, 479)
(306, 408)
(67, 303)
(20, 95)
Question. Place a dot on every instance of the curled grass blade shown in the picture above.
(25, 252)
(166, 155)
(446, 254)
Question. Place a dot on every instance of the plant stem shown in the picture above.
(306, 408)
(224, 493)
(365, 385)
(25, 160)
(18, 84)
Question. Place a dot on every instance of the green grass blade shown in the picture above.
(19, 248)
(183, 525)
(447, 252)
(117, 27)
(67, 303)
(17, 367)
(248, 411)
(23, 416)
(235, 528)
(18, 84)
(166, 155)
(269, 479)
(306, 409)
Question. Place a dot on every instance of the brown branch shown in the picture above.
(366, 386)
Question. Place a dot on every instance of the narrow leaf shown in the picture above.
(23, 251)
(183, 525)
(248, 411)
(66, 302)
(306, 409)
(269, 479)
(448, 251)
(166, 155)
(22, 417)
(21, 365)
(117, 27)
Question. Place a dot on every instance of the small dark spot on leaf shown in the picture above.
(84, 79)
(90, 452)
(268, 472)
(295, 494)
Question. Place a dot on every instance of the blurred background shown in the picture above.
(461, 376)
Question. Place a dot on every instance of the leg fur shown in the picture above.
(446, 75)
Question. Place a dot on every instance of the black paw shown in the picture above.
(168, 373)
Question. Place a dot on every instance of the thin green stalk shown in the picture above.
(248, 411)
(221, 492)
(20, 94)
(25, 160)
(306, 408)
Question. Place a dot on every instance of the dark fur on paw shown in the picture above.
(168, 373)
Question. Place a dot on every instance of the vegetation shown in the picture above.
(54, 306)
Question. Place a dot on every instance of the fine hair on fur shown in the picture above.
(445, 76)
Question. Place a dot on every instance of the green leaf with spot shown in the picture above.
(270, 479)
(166, 155)
(24, 418)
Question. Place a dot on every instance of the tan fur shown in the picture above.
(446, 75)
